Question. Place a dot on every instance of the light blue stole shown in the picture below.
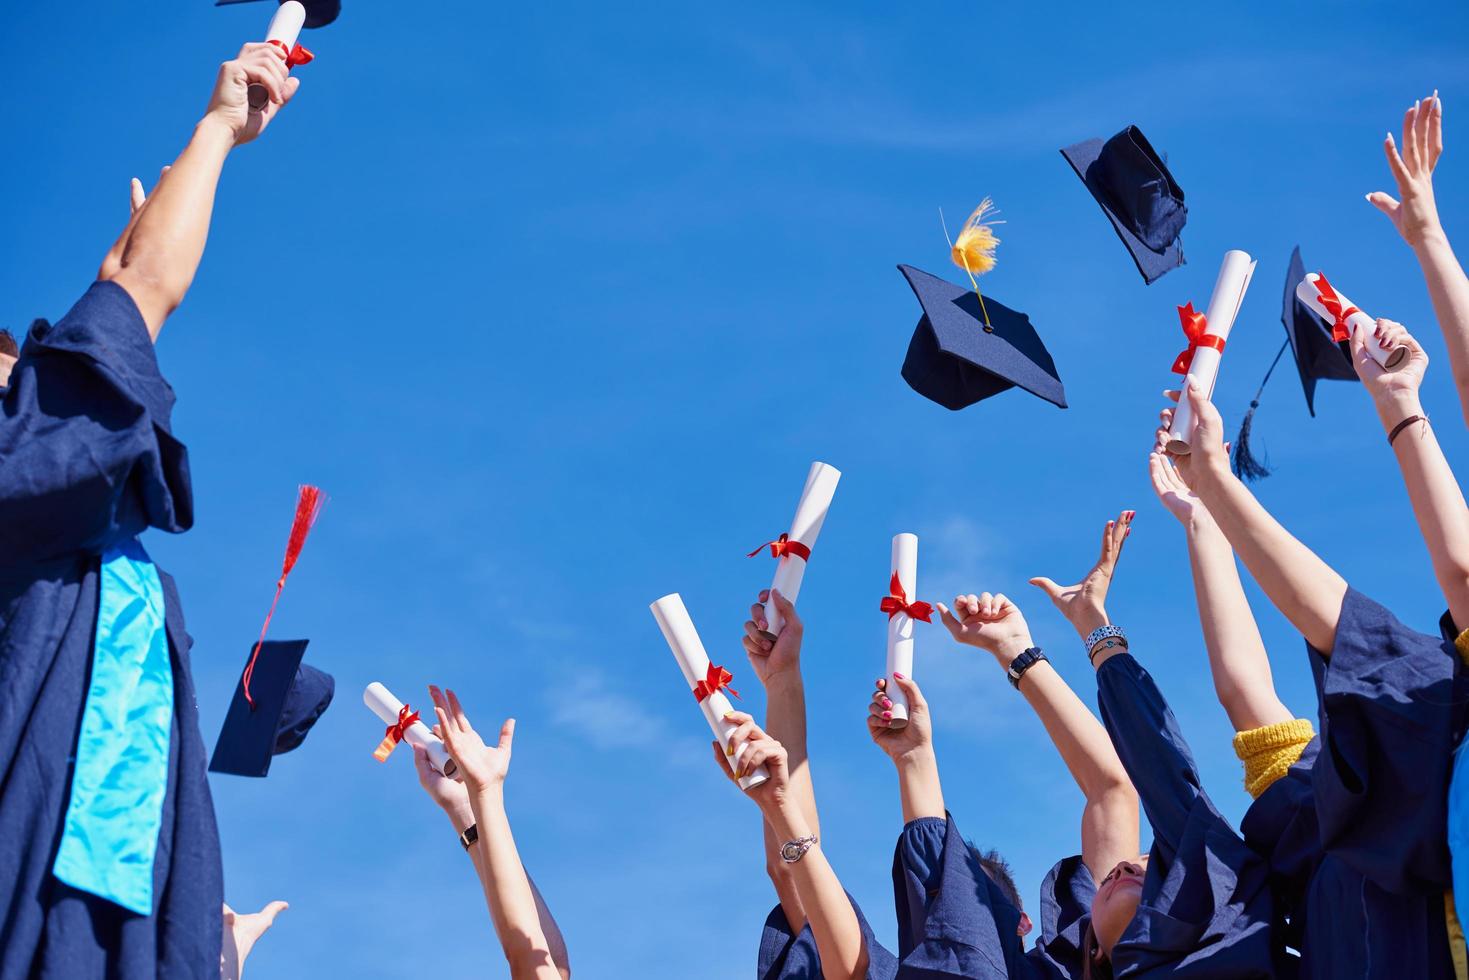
(121, 770)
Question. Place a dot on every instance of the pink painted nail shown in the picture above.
(887, 714)
(899, 676)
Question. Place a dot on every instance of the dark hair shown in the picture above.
(1094, 963)
(7, 344)
(999, 871)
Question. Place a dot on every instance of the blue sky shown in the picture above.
(558, 302)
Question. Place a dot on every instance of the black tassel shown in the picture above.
(1242, 461)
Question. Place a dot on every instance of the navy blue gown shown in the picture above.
(955, 921)
(87, 460)
(793, 956)
(1207, 907)
(1356, 831)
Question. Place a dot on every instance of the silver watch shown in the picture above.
(793, 850)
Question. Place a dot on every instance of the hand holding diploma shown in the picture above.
(1206, 335)
(902, 610)
(481, 766)
(749, 750)
(792, 550)
(707, 682)
(405, 725)
(1347, 322)
(285, 28)
(782, 655)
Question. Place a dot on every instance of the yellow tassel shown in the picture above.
(974, 249)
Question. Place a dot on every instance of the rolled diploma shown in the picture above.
(1224, 304)
(821, 486)
(382, 703)
(1390, 360)
(678, 629)
(285, 27)
(900, 627)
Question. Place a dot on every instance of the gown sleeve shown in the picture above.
(788, 955)
(1066, 910)
(1394, 706)
(953, 920)
(86, 454)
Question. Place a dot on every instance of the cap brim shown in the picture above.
(319, 13)
(1151, 264)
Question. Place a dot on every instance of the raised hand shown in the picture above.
(760, 749)
(1085, 604)
(229, 104)
(1416, 214)
(241, 932)
(900, 743)
(1381, 384)
(783, 656)
(1208, 459)
(484, 766)
(1173, 492)
(991, 622)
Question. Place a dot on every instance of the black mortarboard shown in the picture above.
(955, 359)
(1139, 195)
(319, 13)
(289, 696)
(1318, 357)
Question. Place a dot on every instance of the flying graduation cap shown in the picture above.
(1139, 196)
(1317, 357)
(287, 697)
(319, 13)
(968, 347)
(278, 698)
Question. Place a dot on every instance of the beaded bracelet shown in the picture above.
(1102, 633)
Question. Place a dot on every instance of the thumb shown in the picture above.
(1383, 202)
(1047, 586)
(950, 622)
(272, 910)
(507, 734)
(136, 191)
(421, 763)
(1206, 416)
(909, 687)
(785, 607)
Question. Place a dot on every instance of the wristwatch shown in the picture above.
(793, 850)
(470, 836)
(1022, 663)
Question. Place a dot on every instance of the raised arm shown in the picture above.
(778, 666)
(508, 891)
(1438, 503)
(1416, 218)
(1305, 589)
(834, 924)
(1237, 656)
(1109, 821)
(163, 246)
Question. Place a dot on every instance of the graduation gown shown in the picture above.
(785, 955)
(87, 460)
(955, 921)
(1355, 831)
(1207, 909)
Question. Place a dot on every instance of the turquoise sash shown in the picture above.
(121, 770)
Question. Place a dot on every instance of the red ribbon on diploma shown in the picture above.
(782, 546)
(896, 601)
(407, 718)
(294, 56)
(1334, 306)
(1195, 325)
(716, 678)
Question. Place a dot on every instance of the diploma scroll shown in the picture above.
(1329, 304)
(900, 626)
(382, 703)
(816, 496)
(285, 28)
(678, 629)
(1203, 371)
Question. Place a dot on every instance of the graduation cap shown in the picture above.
(1317, 357)
(1138, 194)
(319, 13)
(965, 349)
(287, 697)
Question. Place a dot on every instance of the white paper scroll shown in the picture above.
(688, 650)
(382, 703)
(821, 486)
(1229, 292)
(1308, 292)
(900, 626)
(285, 27)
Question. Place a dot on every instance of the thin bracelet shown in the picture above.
(1403, 425)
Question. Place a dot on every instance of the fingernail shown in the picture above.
(899, 676)
(886, 703)
(887, 714)
(728, 715)
(729, 750)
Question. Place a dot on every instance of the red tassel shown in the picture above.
(309, 502)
